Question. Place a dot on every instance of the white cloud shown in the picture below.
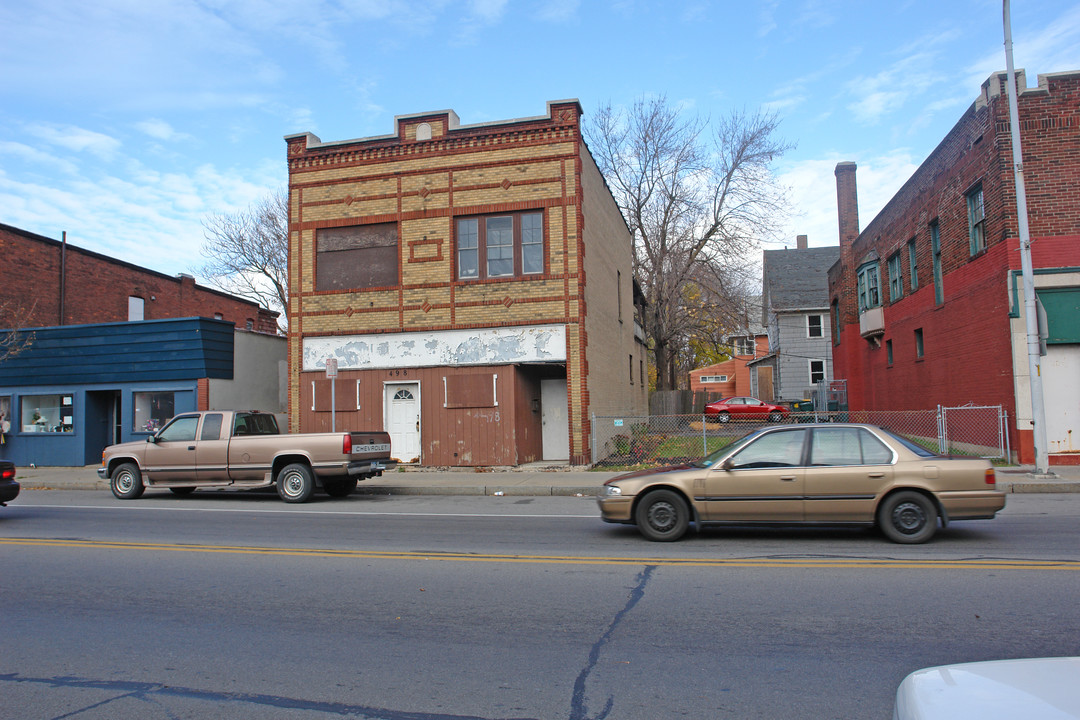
(159, 130)
(76, 139)
(812, 186)
(558, 11)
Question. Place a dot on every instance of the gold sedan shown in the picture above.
(828, 474)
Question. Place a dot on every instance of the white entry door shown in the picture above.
(556, 432)
(1061, 396)
(401, 411)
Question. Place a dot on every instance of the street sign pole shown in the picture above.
(331, 374)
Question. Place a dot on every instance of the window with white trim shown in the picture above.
(814, 328)
(817, 371)
(498, 246)
(708, 379)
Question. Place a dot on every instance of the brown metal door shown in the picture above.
(765, 384)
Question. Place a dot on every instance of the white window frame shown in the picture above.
(810, 367)
(810, 327)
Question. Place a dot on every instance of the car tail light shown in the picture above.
(8, 474)
(346, 444)
(991, 476)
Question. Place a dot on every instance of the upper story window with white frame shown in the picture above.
(500, 246)
(744, 346)
(869, 282)
(710, 379)
(976, 220)
(814, 326)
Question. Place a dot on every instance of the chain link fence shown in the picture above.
(620, 442)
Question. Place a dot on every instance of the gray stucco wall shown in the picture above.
(260, 376)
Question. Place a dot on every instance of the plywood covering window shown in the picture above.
(470, 391)
(356, 257)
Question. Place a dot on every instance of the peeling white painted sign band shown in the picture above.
(490, 346)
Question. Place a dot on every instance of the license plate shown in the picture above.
(383, 448)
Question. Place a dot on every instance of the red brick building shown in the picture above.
(46, 282)
(927, 306)
(473, 284)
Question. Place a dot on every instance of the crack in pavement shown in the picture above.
(578, 705)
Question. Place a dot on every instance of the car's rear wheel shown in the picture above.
(182, 490)
(295, 483)
(662, 516)
(776, 416)
(339, 488)
(908, 517)
(126, 481)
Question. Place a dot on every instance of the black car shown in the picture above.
(9, 489)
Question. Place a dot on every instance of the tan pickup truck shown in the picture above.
(223, 448)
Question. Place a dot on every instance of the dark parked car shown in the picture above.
(9, 489)
(744, 408)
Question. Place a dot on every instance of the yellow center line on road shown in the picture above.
(786, 562)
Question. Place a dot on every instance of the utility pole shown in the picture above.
(1038, 410)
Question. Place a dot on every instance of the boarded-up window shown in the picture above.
(358, 256)
(470, 391)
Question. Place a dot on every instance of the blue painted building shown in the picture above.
(78, 388)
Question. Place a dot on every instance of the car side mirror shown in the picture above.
(727, 465)
(152, 439)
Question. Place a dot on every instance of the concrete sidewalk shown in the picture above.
(530, 480)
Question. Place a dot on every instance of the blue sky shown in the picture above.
(126, 122)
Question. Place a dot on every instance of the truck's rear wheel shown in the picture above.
(295, 483)
(339, 488)
(126, 481)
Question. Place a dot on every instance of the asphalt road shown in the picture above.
(421, 608)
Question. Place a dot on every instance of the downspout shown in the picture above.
(63, 273)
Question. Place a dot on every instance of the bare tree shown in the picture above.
(14, 341)
(698, 197)
(247, 253)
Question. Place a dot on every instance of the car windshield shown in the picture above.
(713, 457)
(917, 449)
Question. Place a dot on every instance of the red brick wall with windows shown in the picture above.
(96, 288)
(967, 339)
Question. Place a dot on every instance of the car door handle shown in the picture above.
(788, 478)
(877, 474)
(190, 447)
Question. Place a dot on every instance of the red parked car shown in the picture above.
(744, 408)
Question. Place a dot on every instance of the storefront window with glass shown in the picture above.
(152, 410)
(47, 413)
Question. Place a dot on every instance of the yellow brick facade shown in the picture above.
(420, 187)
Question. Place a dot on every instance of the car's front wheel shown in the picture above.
(723, 417)
(908, 517)
(126, 481)
(662, 516)
(295, 483)
(776, 416)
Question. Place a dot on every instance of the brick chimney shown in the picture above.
(847, 202)
(800, 242)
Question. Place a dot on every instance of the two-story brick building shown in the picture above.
(473, 284)
(925, 301)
